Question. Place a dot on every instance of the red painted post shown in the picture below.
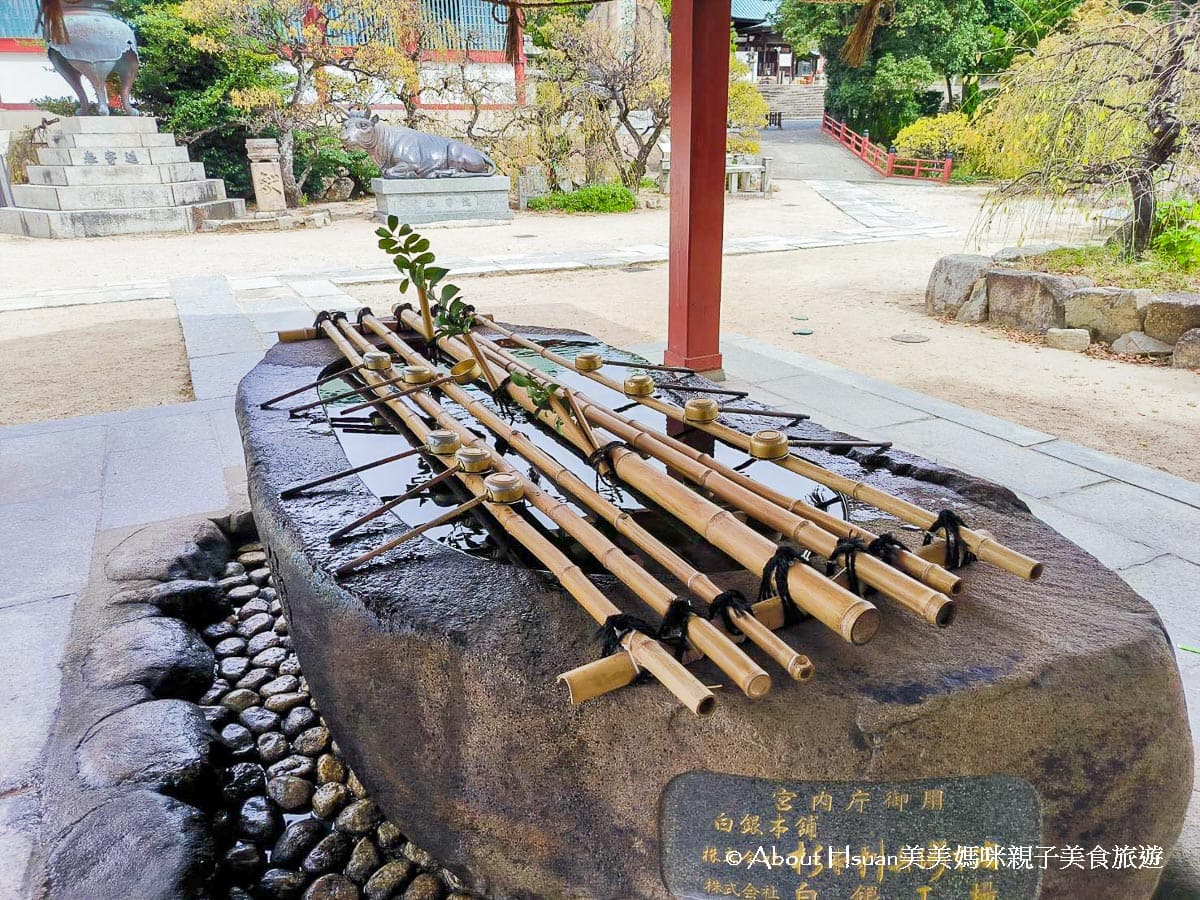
(947, 168)
(699, 106)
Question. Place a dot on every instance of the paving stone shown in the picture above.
(1159, 522)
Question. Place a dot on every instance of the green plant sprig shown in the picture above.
(410, 254)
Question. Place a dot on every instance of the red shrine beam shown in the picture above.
(699, 106)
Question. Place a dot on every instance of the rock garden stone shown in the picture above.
(300, 766)
(233, 582)
(388, 879)
(975, 309)
(218, 630)
(389, 837)
(282, 703)
(1187, 350)
(259, 720)
(162, 655)
(252, 559)
(230, 646)
(332, 887)
(163, 744)
(216, 716)
(329, 798)
(231, 668)
(242, 781)
(364, 860)
(1140, 344)
(268, 593)
(1168, 316)
(328, 854)
(283, 684)
(255, 679)
(297, 839)
(281, 626)
(358, 818)
(240, 700)
(187, 599)
(415, 854)
(1107, 312)
(260, 576)
(298, 720)
(290, 666)
(243, 860)
(424, 887)
(240, 595)
(312, 742)
(272, 747)
(237, 738)
(282, 884)
(219, 688)
(187, 548)
(951, 282)
(1075, 339)
(259, 820)
(262, 641)
(252, 607)
(330, 768)
(232, 569)
(1030, 301)
(289, 792)
(253, 625)
(356, 786)
(271, 657)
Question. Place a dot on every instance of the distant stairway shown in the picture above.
(104, 175)
(795, 101)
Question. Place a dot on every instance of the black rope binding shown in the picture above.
(887, 547)
(949, 523)
(775, 574)
(616, 627)
(362, 313)
(849, 548)
(322, 316)
(728, 604)
(673, 630)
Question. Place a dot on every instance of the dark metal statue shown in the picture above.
(404, 153)
(87, 41)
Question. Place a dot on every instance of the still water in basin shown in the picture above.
(476, 533)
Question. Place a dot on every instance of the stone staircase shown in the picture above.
(795, 101)
(105, 175)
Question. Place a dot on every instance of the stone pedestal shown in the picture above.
(103, 175)
(266, 174)
(465, 198)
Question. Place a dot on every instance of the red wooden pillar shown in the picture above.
(699, 107)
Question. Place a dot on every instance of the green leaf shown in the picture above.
(404, 286)
(392, 222)
(383, 232)
(436, 274)
(424, 259)
(449, 292)
(406, 229)
(422, 245)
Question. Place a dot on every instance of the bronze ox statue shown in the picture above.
(404, 153)
(86, 41)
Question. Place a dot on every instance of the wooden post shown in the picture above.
(947, 168)
(699, 106)
(891, 162)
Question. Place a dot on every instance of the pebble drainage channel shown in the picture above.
(294, 823)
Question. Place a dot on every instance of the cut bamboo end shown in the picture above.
(1005, 558)
(599, 677)
(860, 622)
(465, 372)
(295, 335)
(649, 654)
(802, 669)
(757, 687)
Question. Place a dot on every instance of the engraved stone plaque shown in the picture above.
(761, 839)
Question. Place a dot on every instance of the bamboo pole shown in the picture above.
(645, 652)
(600, 676)
(855, 619)
(797, 665)
(931, 605)
(986, 549)
(747, 674)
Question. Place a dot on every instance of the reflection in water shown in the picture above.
(476, 533)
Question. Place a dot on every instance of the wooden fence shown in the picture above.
(878, 158)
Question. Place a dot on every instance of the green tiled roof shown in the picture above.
(753, 10)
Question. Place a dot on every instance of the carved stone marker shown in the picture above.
(731, 835)
(267, 176)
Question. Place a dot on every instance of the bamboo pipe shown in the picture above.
(797, 665)
(855, 619)
(986, 549)
(932, 606)
(600, 676)
(645, 652)
(714, 643)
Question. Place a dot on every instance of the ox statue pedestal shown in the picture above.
(423, 200)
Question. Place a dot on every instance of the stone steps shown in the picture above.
(795, 101)
(61, 140)
(51, 223)
(107, 125)
(118, 196)
(111, 156)
(73, 176)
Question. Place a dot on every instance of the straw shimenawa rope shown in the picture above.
(54, 25)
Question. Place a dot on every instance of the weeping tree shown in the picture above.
(326, 53)
(1113, 99)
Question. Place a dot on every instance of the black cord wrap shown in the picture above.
(362, 314)
(887, 547)
(949, 523)
(604, 454)
(775, 574)
(673, 631)
(848, 549)
(727, 605)
(616, 627)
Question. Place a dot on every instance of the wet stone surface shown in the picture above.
(294, 822)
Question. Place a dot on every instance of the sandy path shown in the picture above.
(79, 360)
(855, 299)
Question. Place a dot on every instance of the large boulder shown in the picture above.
(1138, 343)
(975, 310)
(1168, 316)
(165, 656)
(140, 844)
(951, 281)
(1030, 301)
(1107, 312)
(1187, 350)
(436, 676)
(185, 548)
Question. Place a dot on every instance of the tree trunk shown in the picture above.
(1141, 223)
(287, 165)
(950, 93)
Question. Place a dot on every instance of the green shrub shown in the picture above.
(1177, 232)
(936, 137)
(331, 160)
(601, 198)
